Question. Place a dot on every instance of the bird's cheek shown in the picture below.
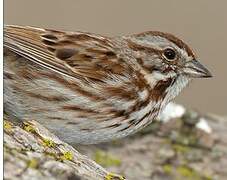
(170, 69)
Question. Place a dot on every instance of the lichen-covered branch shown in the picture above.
(32, 152)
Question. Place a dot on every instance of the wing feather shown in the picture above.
(71, 53)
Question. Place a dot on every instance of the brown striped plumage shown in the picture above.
(89, 88)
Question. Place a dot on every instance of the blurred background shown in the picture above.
(202, 24)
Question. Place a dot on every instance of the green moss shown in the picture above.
(184, 171)
(112, 176)
(105, 159)
(66, 156)
(33, 163)
(167, 168)
(192, 139)
(7, 125)
(180, 148)
(207, 177)
(190, 174)
(49, 143)
(29, 128)
(61, 157)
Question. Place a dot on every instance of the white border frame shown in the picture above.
(1, 88)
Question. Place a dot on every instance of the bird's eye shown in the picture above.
(169, 54)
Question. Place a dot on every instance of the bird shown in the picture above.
(88, 88)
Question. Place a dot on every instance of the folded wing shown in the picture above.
(71, 53)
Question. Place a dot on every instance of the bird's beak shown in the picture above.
(195, 69)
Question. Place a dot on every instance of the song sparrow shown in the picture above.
(89, 88)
